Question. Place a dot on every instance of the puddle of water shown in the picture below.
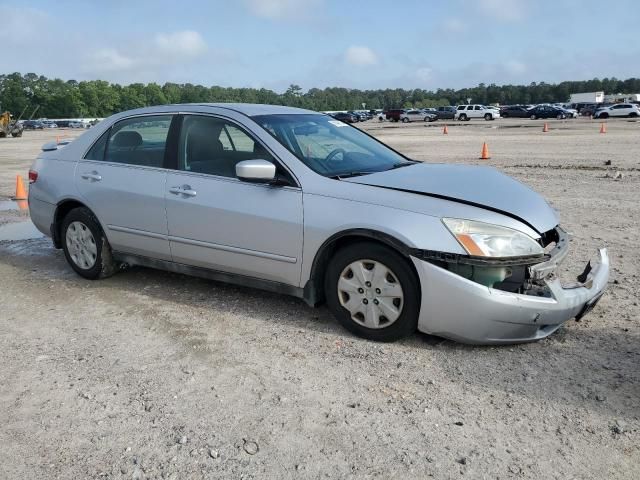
(19, 231)
(6, 205)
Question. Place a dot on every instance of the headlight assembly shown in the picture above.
(486, 240)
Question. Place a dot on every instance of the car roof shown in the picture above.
(252, 109)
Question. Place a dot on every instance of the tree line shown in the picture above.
(57, 98)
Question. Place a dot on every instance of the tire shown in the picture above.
(504, 115)
(633, 115)
(405, 120)
(406, 306)
(82, 241)
(488, 116)
(462, 117)
(560, 116)
(603, 115)
(533, 116)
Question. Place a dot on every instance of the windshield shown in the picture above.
(330, 147)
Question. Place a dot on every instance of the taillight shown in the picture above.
(33, 176)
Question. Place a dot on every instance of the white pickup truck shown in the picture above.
(467, 112)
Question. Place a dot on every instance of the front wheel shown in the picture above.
(373, 292)
(405, 120)
(85, 246)
(603, 115)
(488, 116)
(560, 116)
(533, 116)
(633, 115)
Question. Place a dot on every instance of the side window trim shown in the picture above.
(106, 134)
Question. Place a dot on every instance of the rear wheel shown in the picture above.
(373, 292)
(603, 115)
(405, 120)
(633, 115)
(85, 246)
(463, 117)
(533, 116)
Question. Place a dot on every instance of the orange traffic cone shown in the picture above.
(603, 128)
(545, 129)
(21, 192)
(445, 130)
(485, 152)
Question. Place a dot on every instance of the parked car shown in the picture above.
(33, 125)
(73, 124)
(467, 112)
(417, 116)
(570, 112)
(514, 111)
(547, 111)
(618, 110)
(445, 113)
(394, 114)
(391, 244)
(346, 117)
(591, 108)
(49, 124)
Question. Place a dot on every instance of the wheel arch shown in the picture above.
(62, 209)
(313, 292)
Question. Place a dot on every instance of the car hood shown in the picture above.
(483, 187)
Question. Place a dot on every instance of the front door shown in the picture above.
(219, 222)
(122, 180)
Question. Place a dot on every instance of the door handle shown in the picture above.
(92, 176)
(183, 190)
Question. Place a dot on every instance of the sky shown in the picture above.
(365, 44)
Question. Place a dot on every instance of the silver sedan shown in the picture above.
(297, 202)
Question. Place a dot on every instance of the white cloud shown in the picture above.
(454, 25)
(20, 22)
(165, 49)
(186, 43)
(282, 9)
(360, 56)
(515, 67)
(504, 10)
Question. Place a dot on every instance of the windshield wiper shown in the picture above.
(339, 176)
(402, 164)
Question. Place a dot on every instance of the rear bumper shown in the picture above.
(42, 214)
(456, 308)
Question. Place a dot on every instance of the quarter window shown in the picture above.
(139, 141)
(213, 146)
(96, 152)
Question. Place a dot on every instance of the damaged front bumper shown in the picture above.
(463, 310)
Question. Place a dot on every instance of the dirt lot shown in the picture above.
(156, 375)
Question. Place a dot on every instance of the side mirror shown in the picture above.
(260, 171)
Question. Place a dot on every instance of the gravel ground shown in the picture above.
(156, 375)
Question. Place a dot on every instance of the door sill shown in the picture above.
(225, 277)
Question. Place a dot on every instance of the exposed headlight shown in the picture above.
(486, 240)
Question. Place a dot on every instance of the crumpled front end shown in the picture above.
(533, 305)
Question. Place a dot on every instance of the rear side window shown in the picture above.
(97, 151)
(139, 141)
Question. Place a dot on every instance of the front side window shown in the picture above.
(139, 141)
(214, 146)
(328, 146)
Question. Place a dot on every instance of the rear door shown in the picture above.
(122, 180)
(219, 222)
